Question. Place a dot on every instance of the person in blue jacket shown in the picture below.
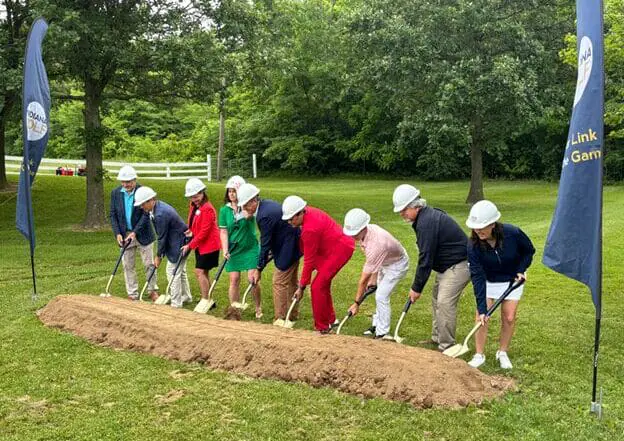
(497, 254)
(131, 224)
(170, 229)
(277, 240)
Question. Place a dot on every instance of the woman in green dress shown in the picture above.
(238, 242)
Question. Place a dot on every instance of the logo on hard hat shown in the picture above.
(36, 122)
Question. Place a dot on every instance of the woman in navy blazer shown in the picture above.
(497, 254)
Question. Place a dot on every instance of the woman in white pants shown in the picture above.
(386, 265)
(497, 254)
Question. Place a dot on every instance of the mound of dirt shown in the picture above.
(232, 313)
(355, 365)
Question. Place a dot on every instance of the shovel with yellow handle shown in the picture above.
(163, 299)
(243, 304)
(371, 289)
(460, 349)
(125, 246)
(151, 272)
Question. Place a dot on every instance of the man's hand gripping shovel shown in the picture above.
(371, 289)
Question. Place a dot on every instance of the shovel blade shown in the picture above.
(456, 350)
(203, 306)
(105, 294)
(163, 299)
(388, 337)
(288, 324)
(239, 305)
(279, 322)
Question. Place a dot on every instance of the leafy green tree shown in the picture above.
(14, 16)
(126, 49)
(464, 76)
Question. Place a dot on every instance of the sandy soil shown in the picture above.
(355, 365)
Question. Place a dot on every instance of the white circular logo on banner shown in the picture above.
(36, 121)
(585, 59)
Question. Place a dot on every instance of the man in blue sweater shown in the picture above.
(131, 224)
(170, 229)
(277, 239)
(441, 248)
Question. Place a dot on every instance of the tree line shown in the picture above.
(439, 89)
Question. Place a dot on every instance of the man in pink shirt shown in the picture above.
(386, 265)
(325, 249)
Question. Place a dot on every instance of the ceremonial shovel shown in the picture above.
(460, 349)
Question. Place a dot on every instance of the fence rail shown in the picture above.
(146, 170)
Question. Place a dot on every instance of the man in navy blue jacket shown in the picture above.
(277, 239)
(130, 223)
(170, 229)
(442, 249)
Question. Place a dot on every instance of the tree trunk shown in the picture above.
(221, 148)
(95, 216)
(3, 179)
(476, 173)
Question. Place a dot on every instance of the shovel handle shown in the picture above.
(251, 285)
(512, 286)
(225, 261)
(371, 289)
(149, 279)
(121, 253)
(407, 306)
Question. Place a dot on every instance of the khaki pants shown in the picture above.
(179, 287)
(284, 286)
(129, 259)
(446, 293)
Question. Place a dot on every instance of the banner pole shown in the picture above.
(596, 406)
(31, 228)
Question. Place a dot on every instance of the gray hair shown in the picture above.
(417, 203)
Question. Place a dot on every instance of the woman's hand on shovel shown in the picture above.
(483, 319)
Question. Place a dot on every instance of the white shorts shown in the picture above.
(495, 289)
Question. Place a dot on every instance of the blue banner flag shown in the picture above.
(35, 124)
(574, 243)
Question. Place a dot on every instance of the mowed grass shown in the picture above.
(58, 387)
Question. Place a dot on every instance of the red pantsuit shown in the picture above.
(326, 249)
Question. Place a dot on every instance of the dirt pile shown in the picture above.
(354, 365)
(232, 313)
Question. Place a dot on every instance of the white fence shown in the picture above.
(145, 170)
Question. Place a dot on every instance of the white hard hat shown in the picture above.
(291, 206)
(235, 182)
(193, 186)
(403, 195)
(142, 195)
(482, 214)
(355, 221)
(245, 193)
(127, 173)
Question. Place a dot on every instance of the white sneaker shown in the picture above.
(477, 360)
(503, 359)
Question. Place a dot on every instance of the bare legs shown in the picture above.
(234, 292)
(508, 324)
(203, 278)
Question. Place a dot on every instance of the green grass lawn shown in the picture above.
(58, 387)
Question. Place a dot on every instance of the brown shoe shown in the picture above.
(153, 295)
